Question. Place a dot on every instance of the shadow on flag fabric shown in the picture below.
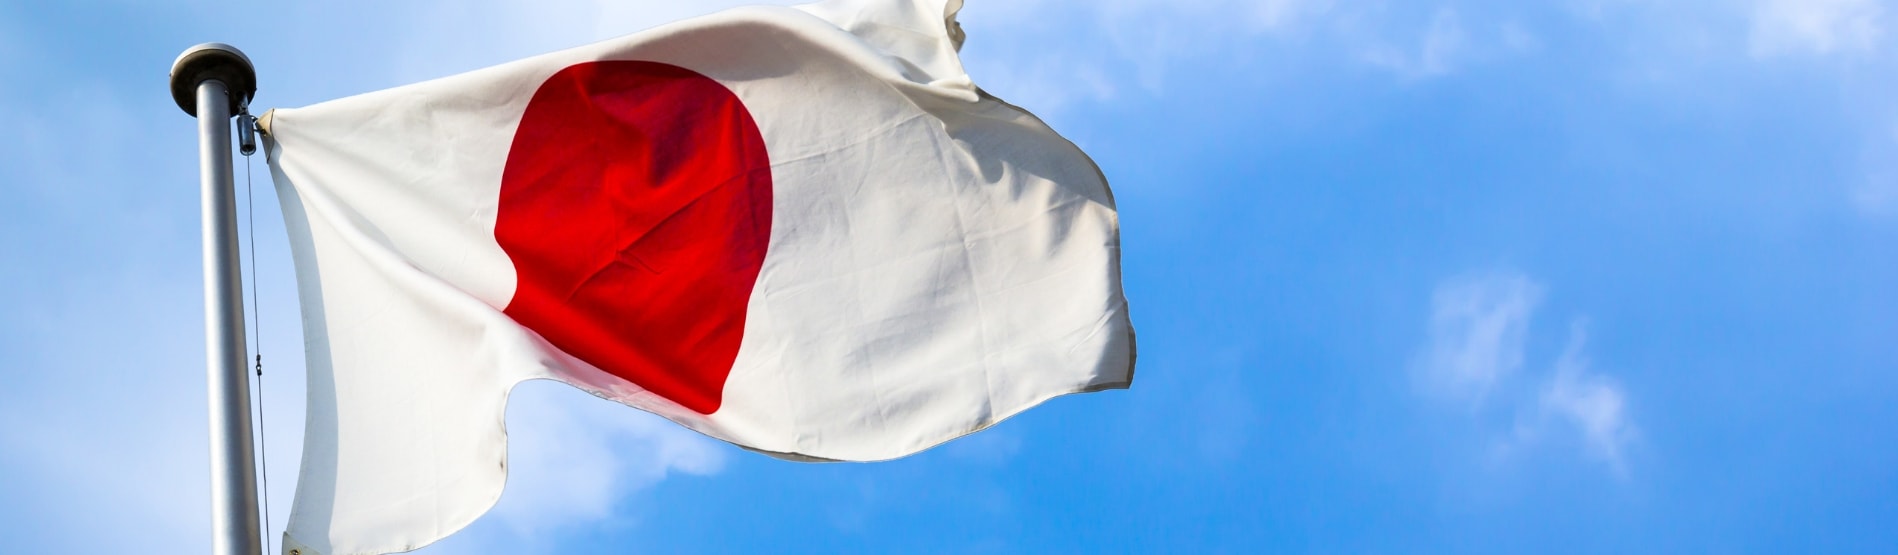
(802, 230)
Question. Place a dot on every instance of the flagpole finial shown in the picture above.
(212, 60)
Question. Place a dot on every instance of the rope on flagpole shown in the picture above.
(247, 144)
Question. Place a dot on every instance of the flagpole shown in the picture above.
(212, 82)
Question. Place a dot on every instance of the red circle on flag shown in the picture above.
(636, 208)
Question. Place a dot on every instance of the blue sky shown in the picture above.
(1443, 276)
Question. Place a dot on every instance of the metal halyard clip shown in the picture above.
(246, 130)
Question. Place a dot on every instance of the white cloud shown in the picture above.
(10, 47)
(102, 419)
(1225, 420)
(1107, 48)
(1048, 84)
(1877, 194)
(1815, 26)
(573, 457)
(991, 447)
(1478, 325)
(1224, 16)
(1049, 53)
(1593, 403)
(1478, 333)
(618, 17)
(1443, 44)
(451, 36)
(1516, 37)
(1282, 14)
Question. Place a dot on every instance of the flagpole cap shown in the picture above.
(212, 60)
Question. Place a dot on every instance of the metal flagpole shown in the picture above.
(212, 82)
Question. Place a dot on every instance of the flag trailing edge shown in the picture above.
(800, 230)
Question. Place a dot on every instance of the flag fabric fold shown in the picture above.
(800, 230)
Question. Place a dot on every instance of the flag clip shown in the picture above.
(246, 130)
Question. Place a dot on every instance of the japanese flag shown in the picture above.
(800, 230)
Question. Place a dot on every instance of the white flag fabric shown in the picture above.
(800, 230)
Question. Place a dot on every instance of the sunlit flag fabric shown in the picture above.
(800, 230)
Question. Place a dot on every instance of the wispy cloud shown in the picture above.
(1877, 194)
(991, 448)
(1593, 404)
(1218, 16)
(1048, 84)
(1478, 325)
(1815, 26)
(573, 458)
(1225, 419)
(1435, 53)
(10, 45)
(1478, 333)
(1278, 15)
(1148, 46)
(103, 425)
(451, 36)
